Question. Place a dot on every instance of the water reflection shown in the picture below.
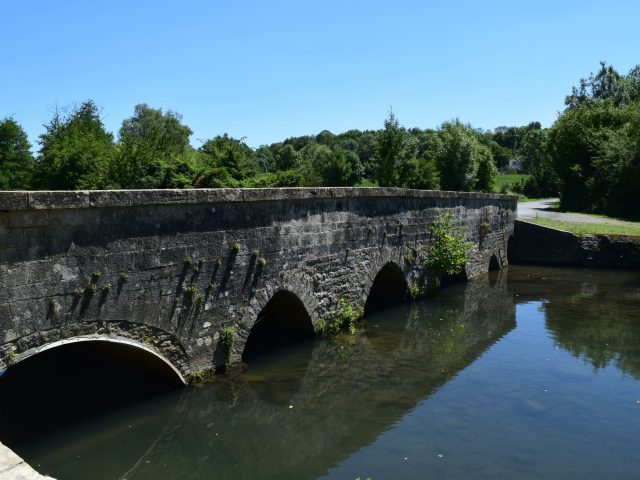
(595, 315)
(299, 413)
(293, 420)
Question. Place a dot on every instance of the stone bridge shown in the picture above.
(166, 271)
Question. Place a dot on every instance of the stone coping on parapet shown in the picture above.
(43, 200)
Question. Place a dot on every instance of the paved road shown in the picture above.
(540, 208)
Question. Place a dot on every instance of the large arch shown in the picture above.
(77, 378)
(389, 288)
(156, 342)
(284, 320)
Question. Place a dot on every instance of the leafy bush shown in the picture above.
(448, 254)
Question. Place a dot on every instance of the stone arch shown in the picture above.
(154, 342)
(283, 320)
(73, 379)
(389, 286)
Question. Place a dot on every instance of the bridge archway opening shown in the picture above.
(282, 324)
(389, 288)
(494, 264)
(75, 381)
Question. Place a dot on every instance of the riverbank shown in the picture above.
(534, 244)
(12, 467)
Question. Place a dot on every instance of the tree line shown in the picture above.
(590, 156)
(152, 150)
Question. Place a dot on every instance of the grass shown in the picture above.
(583, 228)
(505, 182)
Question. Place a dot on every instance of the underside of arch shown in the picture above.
(389, 288)
(78, 378)
(283, 321)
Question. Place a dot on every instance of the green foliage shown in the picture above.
(154, 151)
(107, 287)
(190, 291)
(79, 292)
(344, 318)
(95, 276)
(390, 150)
(595, 146)
(235, 247)
(410, 258)
(226, 160)
(457, 156)
(16, 162)
(226, 341)
(586, 228)
(91, 289)
(188, 261)
(124, 277)
(487, 171)
(76, 151)
(10, 357)
(416, 290)
(262, 262)
(217, 262)
(607, 84)
(197, 377)
(448, 253)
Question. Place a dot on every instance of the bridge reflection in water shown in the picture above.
(297, 412)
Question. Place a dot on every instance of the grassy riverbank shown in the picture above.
(584, 228)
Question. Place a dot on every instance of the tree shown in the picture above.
(536, 161)
(575, 141)
(607, 84)
(617, 167)
(486, 168)
(390, 150)
(76, 151)
(16, 161)
(456, 156)
(152, 145)
(233, 155)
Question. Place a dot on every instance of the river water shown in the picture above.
(528, 373)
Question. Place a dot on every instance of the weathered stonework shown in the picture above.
(158, 267)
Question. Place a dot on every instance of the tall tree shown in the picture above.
(76, 150)
(153, 146)
(16, 160)
(457, 158)
(390, 150)
(233, 155)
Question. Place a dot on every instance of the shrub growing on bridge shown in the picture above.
(449, 251)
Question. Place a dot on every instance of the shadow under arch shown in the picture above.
(76, 379)
(389, 288)
(282, 322)
(494, 264)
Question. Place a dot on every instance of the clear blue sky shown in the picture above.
(268, 70)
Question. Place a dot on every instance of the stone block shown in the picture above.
(14, 200)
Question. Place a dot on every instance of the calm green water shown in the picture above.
(531, 373)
